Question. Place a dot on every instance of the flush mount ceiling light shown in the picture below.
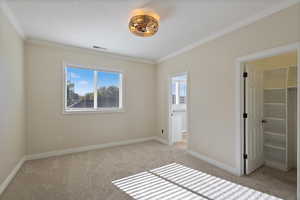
(144, 25)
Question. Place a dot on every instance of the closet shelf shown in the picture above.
(274, 146)
(275, 104)
(276, 111)
(274, 134)
(274, 118)
(274, 88)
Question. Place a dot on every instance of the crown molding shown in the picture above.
(232, 28)
(89, 50)
(11, 18)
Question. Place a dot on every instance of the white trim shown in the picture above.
(36, 41)
(15, 170)
(216, 163)
(232, 28)
(161, 140)
(11, 18)
(239, 100)
(11, 176)
(87, 148)
(93, 111)
(269, 52)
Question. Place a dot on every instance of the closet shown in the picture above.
(280, 117)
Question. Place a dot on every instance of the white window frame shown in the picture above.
(95, 109)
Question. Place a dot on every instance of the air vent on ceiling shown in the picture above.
(98, 47)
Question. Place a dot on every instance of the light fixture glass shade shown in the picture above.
(143, 25)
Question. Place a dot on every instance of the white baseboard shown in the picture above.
(86, 148)
(161, 140)
(218, 164)
(101, 146)
(11, 176)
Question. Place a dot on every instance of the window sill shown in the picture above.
(88, 111)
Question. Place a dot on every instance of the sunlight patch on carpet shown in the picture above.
(177, 182)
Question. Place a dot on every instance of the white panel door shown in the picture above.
(254, 128)
(177, 126)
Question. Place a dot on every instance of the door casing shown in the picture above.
(239, 102)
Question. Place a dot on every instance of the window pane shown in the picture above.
(108, 88)
(182, 92)
(80, 92)
(173, 92)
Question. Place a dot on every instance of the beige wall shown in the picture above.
(50, 130)
(211, 68)
(284, 60)
(12, 98)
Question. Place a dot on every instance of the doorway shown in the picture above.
(178, 112)
(271, 107)
(268, 121)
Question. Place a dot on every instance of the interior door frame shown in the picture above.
(170, 128)
(240, 101)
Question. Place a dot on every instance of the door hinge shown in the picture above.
(245, 74)
(245, 156)
(245, 115)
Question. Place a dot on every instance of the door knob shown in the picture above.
(264, 121)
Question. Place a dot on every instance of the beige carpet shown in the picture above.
(89, 175)
(178, 182)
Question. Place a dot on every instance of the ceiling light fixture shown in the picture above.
(144, 25)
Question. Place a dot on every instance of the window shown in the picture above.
(92, 90)
(108, 89)
(174, 92)
(80, 91)
(182, 92)
(178, 92)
